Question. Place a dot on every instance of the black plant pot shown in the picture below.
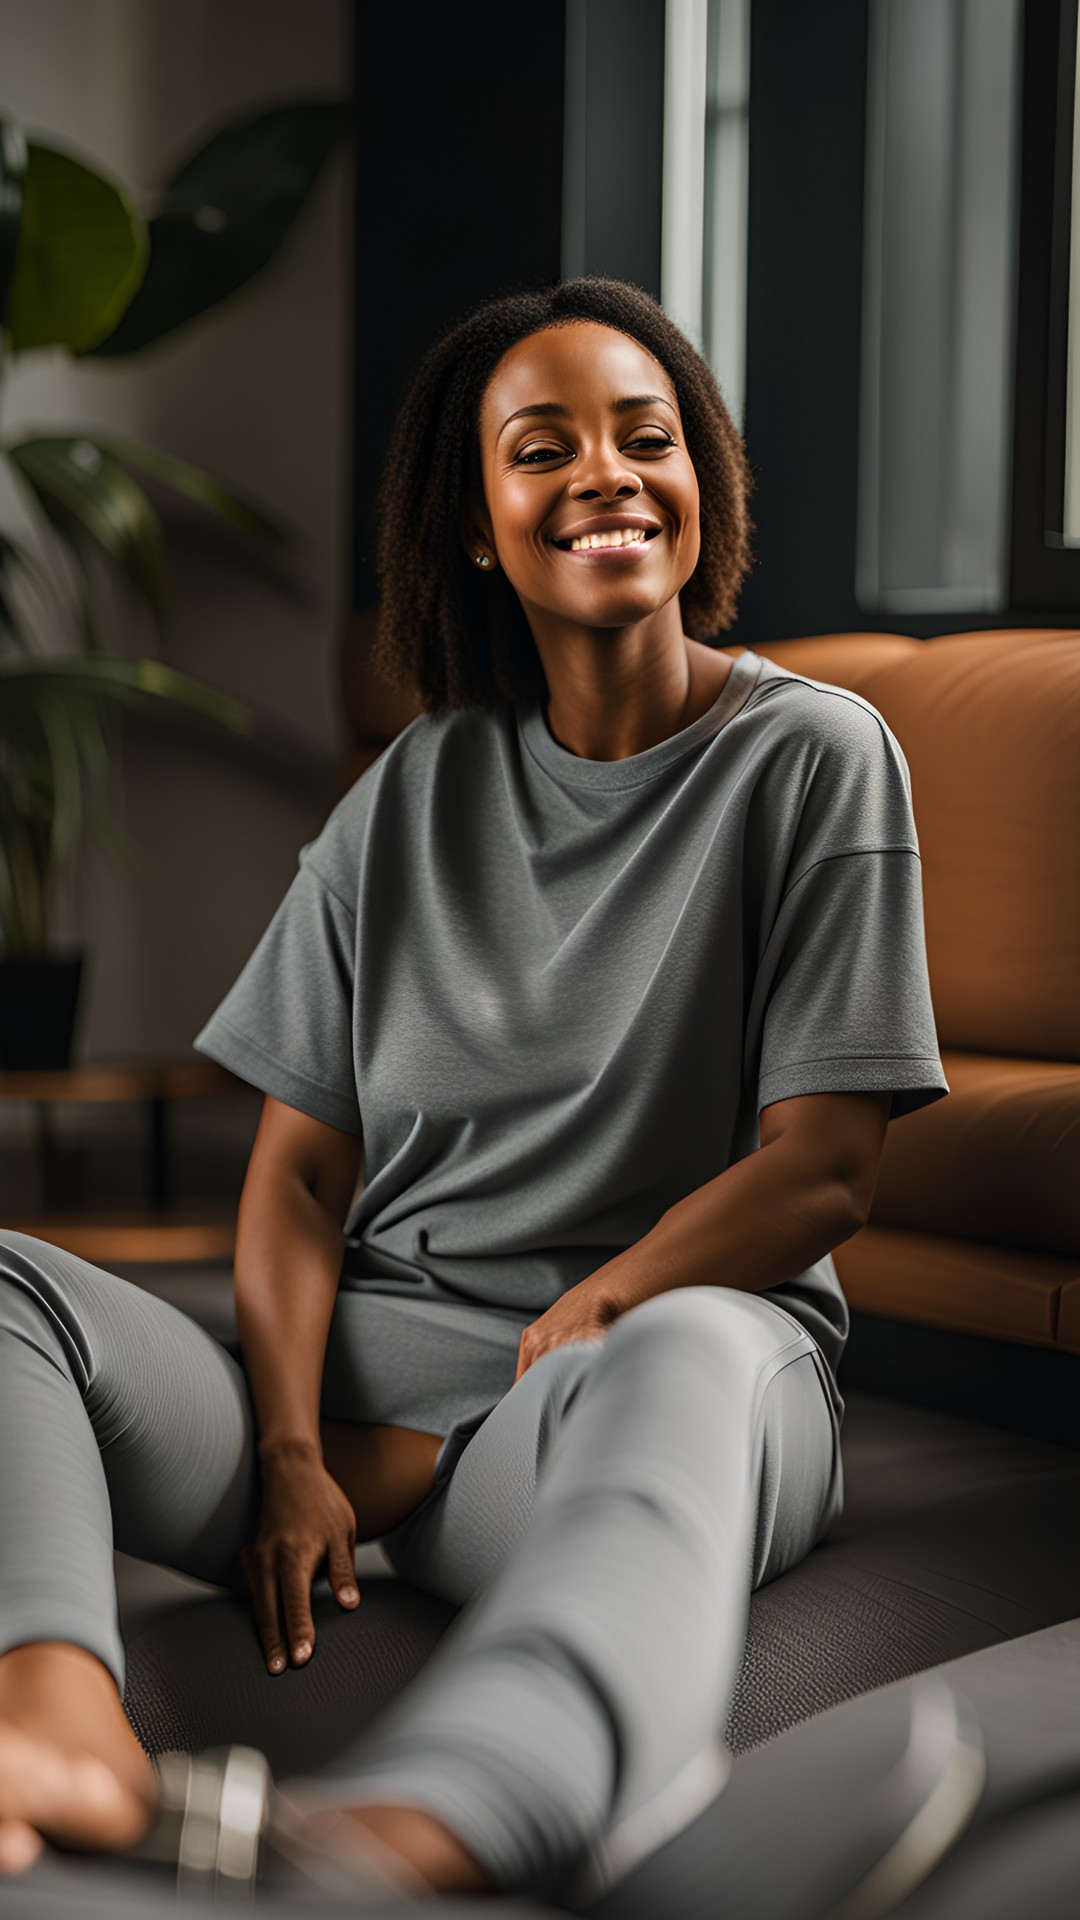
(39, 998)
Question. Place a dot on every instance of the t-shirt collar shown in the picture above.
(573, 768)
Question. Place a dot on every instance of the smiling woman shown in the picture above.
(610, 488)
(519, 403)
(614, 962)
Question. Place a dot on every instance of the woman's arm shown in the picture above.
(773, 1214)
(301, 1178)
(755, 1226)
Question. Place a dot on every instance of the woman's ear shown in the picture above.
(475, 529)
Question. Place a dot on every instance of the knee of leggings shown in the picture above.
(16, 1251)
(16, 1247)
(680, 1306)
(723, 1317)
(36, 1303)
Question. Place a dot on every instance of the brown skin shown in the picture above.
(622, 676)
(621, 673)
(326, 1483)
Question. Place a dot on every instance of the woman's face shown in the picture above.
(580, 429)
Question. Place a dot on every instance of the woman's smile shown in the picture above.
(612, 535)
(624, 550)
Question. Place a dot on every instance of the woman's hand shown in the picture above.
(306, 1518)
(584, 1313)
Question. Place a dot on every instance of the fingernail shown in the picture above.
(349, 1593)
(277, 1663)
(301, 1651)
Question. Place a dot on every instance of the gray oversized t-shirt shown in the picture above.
(554, 995)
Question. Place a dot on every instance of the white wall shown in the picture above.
(259, 391)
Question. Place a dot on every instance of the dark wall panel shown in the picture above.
(807, 133)
(615, 145)
(459, 193)
(1046, 575)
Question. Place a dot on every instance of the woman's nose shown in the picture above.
(608, 478)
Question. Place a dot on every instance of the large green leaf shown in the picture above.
(263, 739)
(51, 715)
(9, 623)
(45, 742)
(84, 594)
(225, 214)
(60, 721)
(17, 557)
(25, 683)
(82, 251)
(82, 488)
(206, 492)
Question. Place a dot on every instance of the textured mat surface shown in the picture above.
(988, 1746)
(954, 1536)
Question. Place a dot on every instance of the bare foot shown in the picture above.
(426, 1845)
(75, 1800)
(406, 1845)
(71, 1768)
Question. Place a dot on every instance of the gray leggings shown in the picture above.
(602, 1531)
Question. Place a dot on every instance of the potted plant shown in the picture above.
(82, 270)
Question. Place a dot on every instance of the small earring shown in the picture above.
(482, 560)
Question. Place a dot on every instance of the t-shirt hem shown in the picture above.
(250, 1062)
(846, 853)
(916, 1080)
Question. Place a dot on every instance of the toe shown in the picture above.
(73, 1799)
(20, 1846)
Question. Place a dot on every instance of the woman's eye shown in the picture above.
(553, 453)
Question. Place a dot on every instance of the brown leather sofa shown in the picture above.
(957, 1533)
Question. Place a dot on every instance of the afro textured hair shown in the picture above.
(449, 636)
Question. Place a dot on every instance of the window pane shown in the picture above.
(727, 105)
(939, 303)
(706, 134)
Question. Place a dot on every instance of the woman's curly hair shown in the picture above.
(449, 636)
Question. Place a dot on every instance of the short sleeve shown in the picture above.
(841, 1000)
(844, 988)
(286, 1025)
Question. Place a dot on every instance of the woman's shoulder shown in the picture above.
(817, 706)
(400, 779)
(833, 724)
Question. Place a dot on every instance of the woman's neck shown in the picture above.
(603, 707)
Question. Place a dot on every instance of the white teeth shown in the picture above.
(620, 537)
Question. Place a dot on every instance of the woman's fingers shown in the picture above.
(341, 1570)
(262, 1579)
(287, 1629)
(296, 1576)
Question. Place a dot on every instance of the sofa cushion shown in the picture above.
(1069, 1316)
(998, 1161)
(967, 1286)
